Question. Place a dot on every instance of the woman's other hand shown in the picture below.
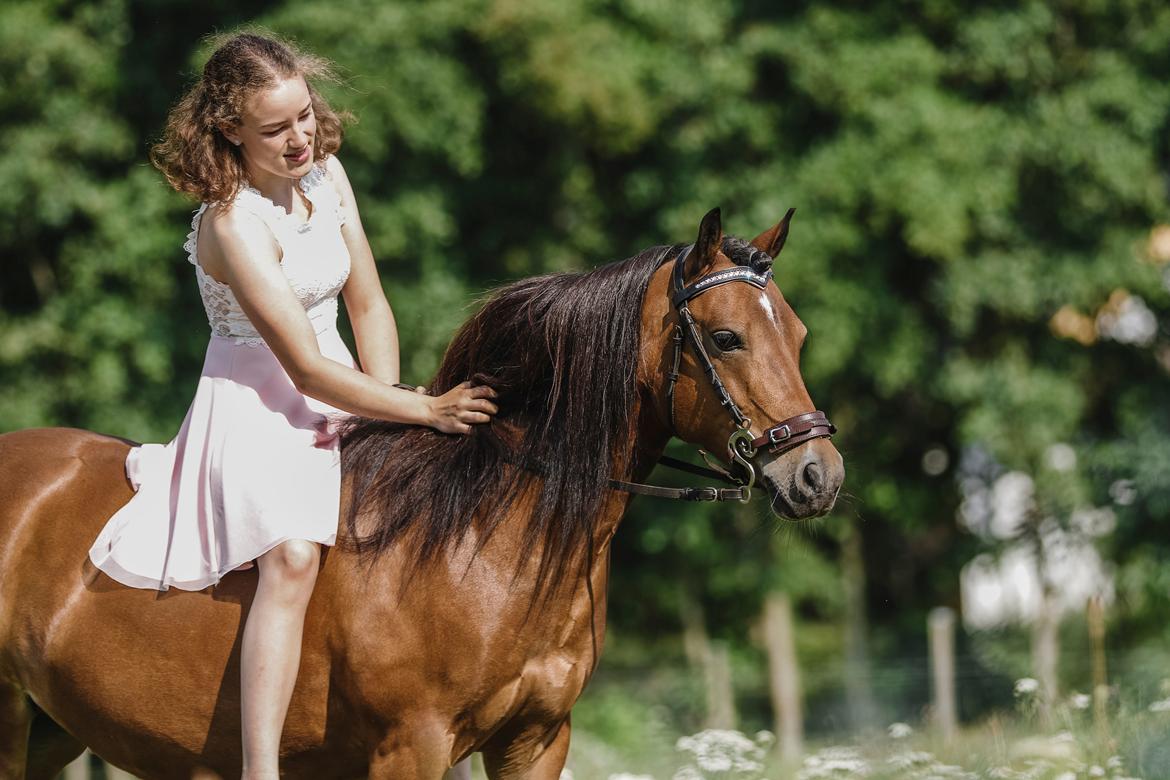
(456, 410)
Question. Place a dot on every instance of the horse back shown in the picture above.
(57, 487)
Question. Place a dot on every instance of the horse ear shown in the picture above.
(771, 241)
(706, 245)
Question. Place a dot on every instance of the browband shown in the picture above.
(681, 294)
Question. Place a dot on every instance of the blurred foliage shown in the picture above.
(976, 184)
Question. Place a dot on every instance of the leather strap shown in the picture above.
(738, 274)
(677, 339)
(794, 431)
(683, 494)
(680, 293)
(725, 399)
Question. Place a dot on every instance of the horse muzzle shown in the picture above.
(804, 482)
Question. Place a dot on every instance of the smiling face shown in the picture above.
(276, 132)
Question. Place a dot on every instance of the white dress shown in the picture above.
(256, 462)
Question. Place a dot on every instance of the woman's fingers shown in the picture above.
(482, 405)
(466, 406)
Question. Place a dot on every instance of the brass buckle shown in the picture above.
(774, 434)
(739, 447)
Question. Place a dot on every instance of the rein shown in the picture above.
(742, 447)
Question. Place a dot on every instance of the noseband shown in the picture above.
(742, 447)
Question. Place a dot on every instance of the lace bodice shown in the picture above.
(315, 259)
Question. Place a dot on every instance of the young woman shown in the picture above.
(254, 474)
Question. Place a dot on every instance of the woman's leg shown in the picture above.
(270, 653)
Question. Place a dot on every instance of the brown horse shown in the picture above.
(464, 607)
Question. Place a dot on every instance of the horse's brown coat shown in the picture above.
(387, 688)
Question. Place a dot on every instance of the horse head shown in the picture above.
(725, 368)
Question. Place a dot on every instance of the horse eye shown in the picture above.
(726, 340)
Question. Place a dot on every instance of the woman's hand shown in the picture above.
(456, 410)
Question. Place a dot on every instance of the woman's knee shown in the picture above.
(295, 560)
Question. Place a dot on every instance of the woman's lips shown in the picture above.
(299, 157)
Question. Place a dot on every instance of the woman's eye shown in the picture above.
(726, 340)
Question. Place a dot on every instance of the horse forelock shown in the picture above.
(561, 351)
(742, 252)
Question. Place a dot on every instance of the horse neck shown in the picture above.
(635, 458)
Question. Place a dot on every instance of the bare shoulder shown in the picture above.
(229, 235)
(335, 169)
(227, 226)
(337, 177)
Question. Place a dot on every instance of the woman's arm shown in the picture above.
(251, 267)
(369, 312)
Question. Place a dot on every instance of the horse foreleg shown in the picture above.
(505, 762)
(16, 714)
(50, 748)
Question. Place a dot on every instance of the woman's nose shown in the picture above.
(300, 136)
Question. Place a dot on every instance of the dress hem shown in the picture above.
(130, 579)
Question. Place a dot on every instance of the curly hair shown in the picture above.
(194, 155)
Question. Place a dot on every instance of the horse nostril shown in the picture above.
(813, 476)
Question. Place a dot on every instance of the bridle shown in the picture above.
(742, 447)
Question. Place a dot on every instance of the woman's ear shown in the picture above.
(231, 134)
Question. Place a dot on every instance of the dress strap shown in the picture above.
(317, 185)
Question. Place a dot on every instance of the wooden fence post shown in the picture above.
(784, 675)
(720, 689)
(942, 666)
(1096, 620)
(711, 659)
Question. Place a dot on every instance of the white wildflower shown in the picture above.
(1096, 771)
(1080, 701)
(1114, 763)
(1162, 705)
(833, 762)
(1026, 686)
(910, 758)
(723, 750)
(900, 730)
(628, 776)
(1066, 776)
(688, 772)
